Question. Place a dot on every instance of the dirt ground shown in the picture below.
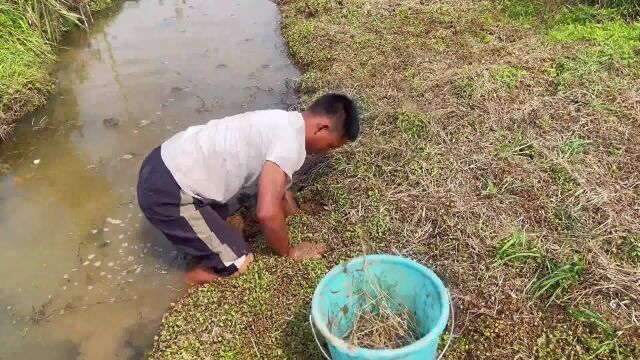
(500, 147)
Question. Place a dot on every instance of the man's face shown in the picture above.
(325, 140)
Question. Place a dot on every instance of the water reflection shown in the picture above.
(83, 276)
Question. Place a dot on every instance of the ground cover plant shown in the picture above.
(501, 148)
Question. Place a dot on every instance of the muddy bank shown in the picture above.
(30, 34)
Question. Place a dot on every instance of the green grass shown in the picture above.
(572, 147)
(558, 279)
(515, 145)
(517, 248)
(509, 76)
(414, 125)
(24, 60)
(49, 17)
(609, 39)
(603, 339)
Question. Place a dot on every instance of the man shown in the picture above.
(185, 183)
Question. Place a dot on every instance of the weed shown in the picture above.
(627, 249)
(563, 178)
(414, 125)
(24, 59)
(466, 87)
(604, 338)
(509, 76)
(558, 279)
(517, 249)
(378, 226)
(573, 147)
(514, 145)
(566, 217)
(592, 318)
(492, 189)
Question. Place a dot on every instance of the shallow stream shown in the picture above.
(82, 274)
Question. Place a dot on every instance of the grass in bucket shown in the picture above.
(382, 323)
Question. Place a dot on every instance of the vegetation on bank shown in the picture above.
(29, 32)
(501, 147)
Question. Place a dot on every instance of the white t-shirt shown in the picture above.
(223, 157)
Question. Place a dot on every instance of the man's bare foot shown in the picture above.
(201, 276)
(248, 260)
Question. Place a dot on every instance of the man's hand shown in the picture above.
(307, 250)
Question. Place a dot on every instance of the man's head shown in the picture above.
(330, 122)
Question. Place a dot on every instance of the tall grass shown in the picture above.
(627, 8)
(52, 17)
(24, 53)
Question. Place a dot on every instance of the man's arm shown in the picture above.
(271, 190)
(271, 214)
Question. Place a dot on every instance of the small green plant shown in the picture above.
(592, 318)
(466, 87)
(517, 248)
(505, 187)
(558, 279)
(378, 226)
(490, 188)
(413, 124)
(509, 76)
(566, 217)
(628, 249)
(563, 178)
(573, 147)
(514, 145)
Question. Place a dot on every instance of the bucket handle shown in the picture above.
(313, 330)
(446, 347)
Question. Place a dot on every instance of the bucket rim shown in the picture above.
(350, 349)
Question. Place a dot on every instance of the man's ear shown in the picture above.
(322, 125)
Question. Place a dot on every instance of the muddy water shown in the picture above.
(82, 274)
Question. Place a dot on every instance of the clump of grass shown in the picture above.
(573, 147)
(523, 11)
(563, 178)
(51, 17)
(414, 125)
(509, 76)
(24, 59)
(515, 145)
(604, 338)
(29, 30)
(517, 248)
(466, 87)
(559, 277)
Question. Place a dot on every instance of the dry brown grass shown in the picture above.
(473, 131)
(382, 323)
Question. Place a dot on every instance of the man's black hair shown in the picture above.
(340, 108)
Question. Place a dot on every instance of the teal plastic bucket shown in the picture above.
(338, 299)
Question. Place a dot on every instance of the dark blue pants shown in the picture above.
(196, 226)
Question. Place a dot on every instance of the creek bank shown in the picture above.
(28, 45)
